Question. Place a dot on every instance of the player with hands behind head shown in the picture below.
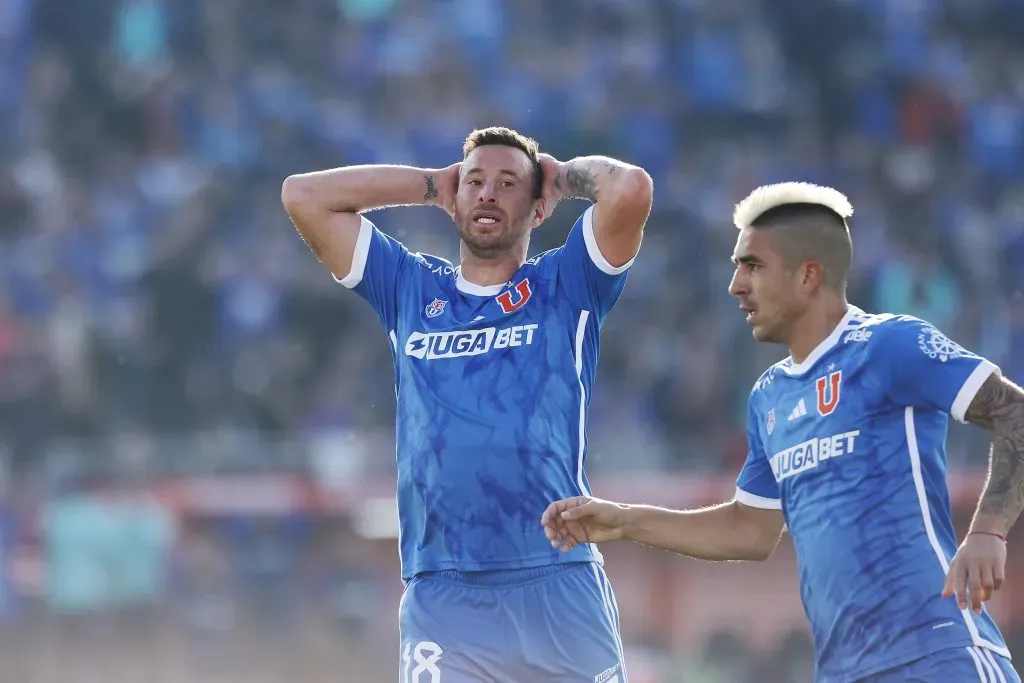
(495, 359)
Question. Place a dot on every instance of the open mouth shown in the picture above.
(749, 311)
(486, 218)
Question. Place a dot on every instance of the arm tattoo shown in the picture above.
(999, 407)
(585, 177)
(431, 193)
(581, 183)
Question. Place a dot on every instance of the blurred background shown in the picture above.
(196, 423)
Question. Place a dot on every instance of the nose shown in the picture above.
(738, 284)
(488, 193)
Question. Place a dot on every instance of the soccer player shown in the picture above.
(847, 450)
(494, 361)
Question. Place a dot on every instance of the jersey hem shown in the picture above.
(499, 565)
(359, 256)
(594, 251)
(857, 674)
(970, 389)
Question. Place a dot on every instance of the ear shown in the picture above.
(539, 214)
(812, 276)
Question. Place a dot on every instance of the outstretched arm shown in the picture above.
(979, 567)
(622, 196)
(727, 532)
(325, 205)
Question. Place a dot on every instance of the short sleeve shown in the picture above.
(588, 279)
(756, 485)
(923, 368)
(376, 265)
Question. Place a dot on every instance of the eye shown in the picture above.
(507, 183)
(474, 182)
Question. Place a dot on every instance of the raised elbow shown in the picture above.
(637, 188)
(295, 193)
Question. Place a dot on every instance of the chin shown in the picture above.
(763, 334)
(486, 248)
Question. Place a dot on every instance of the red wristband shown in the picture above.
(989, 533)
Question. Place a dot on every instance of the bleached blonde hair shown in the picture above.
(768, 197)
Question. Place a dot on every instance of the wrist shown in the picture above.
(992, 525)
(561, 184)
(431, 186)
(1000, 536)
(632, 521)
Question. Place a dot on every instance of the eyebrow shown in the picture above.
(746, 259)
(504, 171)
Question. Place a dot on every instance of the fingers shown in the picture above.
(988, 585)
(563, 535)
(976, 591)
(956, 583)
(559, 506)
(973, 581)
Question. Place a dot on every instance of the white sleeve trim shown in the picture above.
(750, 500)
(595, 251)
(359, 254)
(970, 389)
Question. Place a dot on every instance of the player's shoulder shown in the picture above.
(433, 266)
(881, 328)
(542, 260)
(889, 336)
(767, 379)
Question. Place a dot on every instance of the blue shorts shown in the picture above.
(555, 624)
(958, 665)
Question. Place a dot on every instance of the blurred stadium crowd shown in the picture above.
(158, 314)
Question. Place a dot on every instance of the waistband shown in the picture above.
(502, 577)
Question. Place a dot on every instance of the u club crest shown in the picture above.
(435, 308)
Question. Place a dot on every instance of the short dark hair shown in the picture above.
(499, 135)
(811, 232)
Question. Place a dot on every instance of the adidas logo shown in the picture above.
(799, 411)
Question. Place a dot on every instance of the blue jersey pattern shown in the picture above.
(850, 444)
(493, 386)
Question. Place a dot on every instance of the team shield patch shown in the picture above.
(829, 389)
(770, 423)
(435, 308)
(522, 295)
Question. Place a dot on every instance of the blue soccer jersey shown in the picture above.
(493, 385)
(850, 444)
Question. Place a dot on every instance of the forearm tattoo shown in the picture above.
(431, 193)
(999, 407)
(586, 177)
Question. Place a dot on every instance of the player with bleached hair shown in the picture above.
(846, 449)
(495, 359)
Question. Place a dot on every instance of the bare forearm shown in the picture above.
(365, 188)
(717, 533)
(999, 406)
(325, 205)
(594, 177)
